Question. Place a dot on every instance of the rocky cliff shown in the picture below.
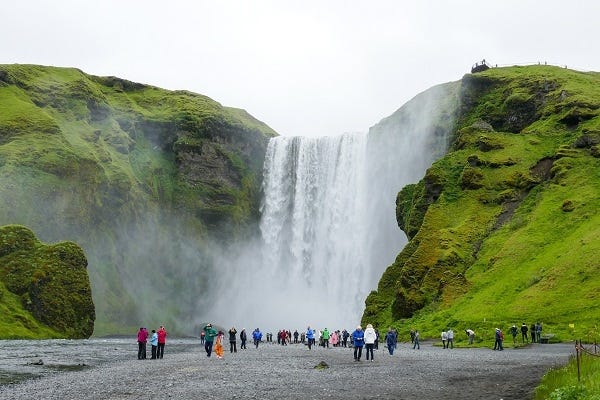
(139, 176)
(44, 289)
(504, 228)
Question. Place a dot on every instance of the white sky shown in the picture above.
(310, 67)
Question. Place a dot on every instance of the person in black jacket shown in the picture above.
(524, 330)
(232, 341)
(243, 338)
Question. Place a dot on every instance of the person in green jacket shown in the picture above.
(325, 336)
(209, 337)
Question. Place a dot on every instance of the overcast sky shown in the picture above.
(309, 68)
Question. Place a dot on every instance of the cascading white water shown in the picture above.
(313, 222)
(328, 226)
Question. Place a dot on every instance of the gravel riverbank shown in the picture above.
(287, 372)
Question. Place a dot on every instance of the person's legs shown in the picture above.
(139, 350)
(208, 347)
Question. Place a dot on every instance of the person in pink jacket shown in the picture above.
(142, 337)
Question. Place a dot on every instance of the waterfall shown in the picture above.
(313, 222)
(328, 228)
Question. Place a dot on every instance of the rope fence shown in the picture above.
(580, 350)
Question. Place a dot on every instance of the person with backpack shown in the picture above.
(514, 332)
(499, 336)
(524, 330)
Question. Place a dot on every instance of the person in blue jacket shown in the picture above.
(257, 336)
(358, 338)
(310, 337)
(154, 343)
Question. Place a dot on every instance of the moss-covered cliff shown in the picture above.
(44, 289)
(139, 176)
(504, 228)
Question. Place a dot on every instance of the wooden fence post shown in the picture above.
(577, 348)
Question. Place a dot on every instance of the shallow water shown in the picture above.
(27, 359)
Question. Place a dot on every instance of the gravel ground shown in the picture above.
(273, 371)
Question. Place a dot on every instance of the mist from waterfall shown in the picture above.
(328, 225)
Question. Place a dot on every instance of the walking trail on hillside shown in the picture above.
(287, 372)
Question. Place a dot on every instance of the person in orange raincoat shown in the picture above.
(219, 345)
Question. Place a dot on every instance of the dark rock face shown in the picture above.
(126, 167)
(51, 280)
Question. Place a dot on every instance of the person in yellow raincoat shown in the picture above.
(219, 345)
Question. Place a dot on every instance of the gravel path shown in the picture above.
(277, 372)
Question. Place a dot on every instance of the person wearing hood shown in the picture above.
(370, 338)
(358, 340)
(391, 339)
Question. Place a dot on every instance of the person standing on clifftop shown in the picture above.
(209, 337)
(162, 340)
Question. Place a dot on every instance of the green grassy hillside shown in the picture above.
(504, 228)
(139, 176)
(44, 289)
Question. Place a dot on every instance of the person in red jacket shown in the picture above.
(162, 339)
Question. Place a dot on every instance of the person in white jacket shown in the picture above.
(370, 337)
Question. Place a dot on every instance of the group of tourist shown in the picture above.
(358, 339)
(535, 333)
(157, 341)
